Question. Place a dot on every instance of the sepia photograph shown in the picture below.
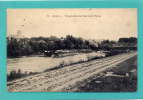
(72, 50)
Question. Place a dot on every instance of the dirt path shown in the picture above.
(66, 77)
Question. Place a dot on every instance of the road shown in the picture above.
(67, 77)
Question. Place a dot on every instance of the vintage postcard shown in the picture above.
(72, 50)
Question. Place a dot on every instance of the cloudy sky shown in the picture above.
(95, 23)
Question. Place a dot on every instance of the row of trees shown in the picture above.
(27, 46)
(128, 40)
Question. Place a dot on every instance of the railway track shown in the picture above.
(66, 77)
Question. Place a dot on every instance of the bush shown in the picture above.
(18, 74)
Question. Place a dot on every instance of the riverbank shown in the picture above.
(25, 66)
(67, 78)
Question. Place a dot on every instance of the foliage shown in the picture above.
(18, 74)
(17, 47)
(26, 46)
(128, 40)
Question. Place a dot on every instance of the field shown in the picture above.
(72, 77)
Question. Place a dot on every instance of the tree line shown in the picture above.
(17, 47)
(26, 46)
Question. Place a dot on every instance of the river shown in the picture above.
(39, 63)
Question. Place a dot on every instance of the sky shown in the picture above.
(87, 23)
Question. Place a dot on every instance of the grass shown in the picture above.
(118, 82)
